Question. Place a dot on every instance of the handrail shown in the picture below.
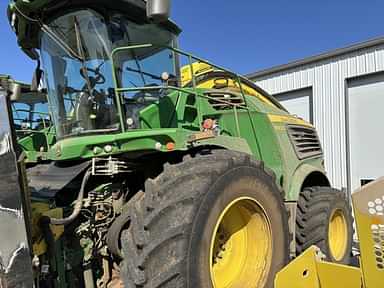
(237, 78)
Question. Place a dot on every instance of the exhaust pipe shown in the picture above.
(158, 10)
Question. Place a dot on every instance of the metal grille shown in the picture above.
(305, 141)
(224, 99)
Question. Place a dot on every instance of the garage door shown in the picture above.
(366, 131)
(298, 102)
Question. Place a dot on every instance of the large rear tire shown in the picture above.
(216, 220)
(324, 218)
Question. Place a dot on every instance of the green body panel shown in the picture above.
(270, 150)
(87, 147)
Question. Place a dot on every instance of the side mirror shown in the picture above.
(158, 10)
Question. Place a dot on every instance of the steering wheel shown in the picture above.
(98, 79)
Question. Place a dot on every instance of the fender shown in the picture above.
(298, 178)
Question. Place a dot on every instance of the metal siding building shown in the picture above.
(321, 89)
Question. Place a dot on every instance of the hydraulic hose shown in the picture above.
(78, 204)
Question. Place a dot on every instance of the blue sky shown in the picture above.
(250, 36)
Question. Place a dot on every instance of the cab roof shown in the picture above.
(27, 16)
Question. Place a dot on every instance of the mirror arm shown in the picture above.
(36, 77)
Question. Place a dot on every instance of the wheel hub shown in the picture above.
(241, 246)
(338, 234)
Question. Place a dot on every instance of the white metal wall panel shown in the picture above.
(366, 140)
(328, 78)
(298, 102)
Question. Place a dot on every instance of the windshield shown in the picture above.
(79, 72)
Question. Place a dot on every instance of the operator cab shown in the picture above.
(83, 70)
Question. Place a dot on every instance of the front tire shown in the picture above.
(216, 220)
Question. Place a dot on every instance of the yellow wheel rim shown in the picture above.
(338, 234)
(241, 246)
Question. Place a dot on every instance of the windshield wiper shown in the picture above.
(139, 70)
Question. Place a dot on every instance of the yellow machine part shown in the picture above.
(200, 68)
(38, 210)
(288, 119)
(240, 254)
(338, 234)
(310, 271)
(368, 205)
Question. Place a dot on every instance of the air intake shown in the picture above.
(305, 141)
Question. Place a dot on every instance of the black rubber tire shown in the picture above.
(168, 240)
(314, 209)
